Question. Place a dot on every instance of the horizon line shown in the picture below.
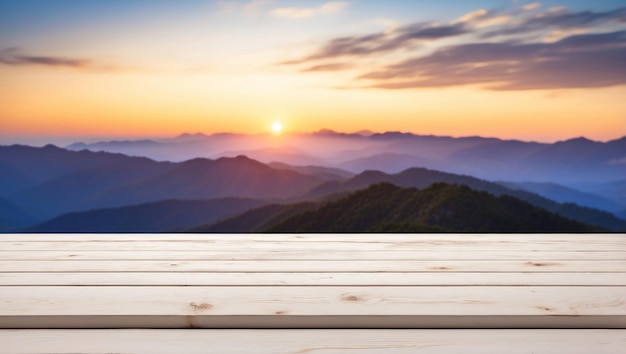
(64, 141)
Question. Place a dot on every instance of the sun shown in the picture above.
(277, 127)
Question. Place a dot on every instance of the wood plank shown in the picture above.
(358, 266)
(297, 307)
(400, 255)
(379, 341)
(312, 279)
(328, 237)
(316, 255)
(519, 245)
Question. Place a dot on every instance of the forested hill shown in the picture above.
(441, 207)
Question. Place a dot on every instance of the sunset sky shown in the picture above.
(80, 69)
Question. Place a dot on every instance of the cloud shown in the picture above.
(579, 61)
(533, 6)
(327, 8)
(329, 67)
(483, 18)
(382, 42)
(390, 25)
(516, 49)
(11, 56)
(474, 15)
(398, 37)
(48, 61)
(561, 19)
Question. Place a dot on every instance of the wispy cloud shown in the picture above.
(561, 19)
(11, 56)
(589, 60)
(533, 6)
(517, 49)
(390, 25)
(329, 67)
(293, 12)
(382, 42)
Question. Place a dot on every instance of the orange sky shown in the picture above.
(224, 71)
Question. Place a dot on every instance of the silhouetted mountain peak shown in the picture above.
(364, 132)
(392, 135)
(332, 133)
(234, 164)
(577, 141)
(77, 146)
(240, 160)
(618, 143)
(369, 176)
(190, 135)
(326, 132)
(197, 161)
(416, 170)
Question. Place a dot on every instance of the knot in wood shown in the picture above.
(200, 307)
(352, 298)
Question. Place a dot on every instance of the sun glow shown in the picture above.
(277, 127)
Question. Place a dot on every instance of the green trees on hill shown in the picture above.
(441, 207)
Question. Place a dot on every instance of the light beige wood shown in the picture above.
(307, 341)
(271, 255)
(313, 279)
(266, 300)
(319, 281)
(213, 243)
(307, 266)
(342, 238)
(310, 255)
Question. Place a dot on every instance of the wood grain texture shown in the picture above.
(308, 301)
(321, 255)
(307, 266)
(307, 341)
(303, 255)
(341, 238)
(311, 279)
(216, 243)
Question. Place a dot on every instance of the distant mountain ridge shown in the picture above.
(162, 216)
(563, 194)
(564, 162)
(57, 181)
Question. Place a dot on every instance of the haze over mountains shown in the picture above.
(192, 180)
(571, 161)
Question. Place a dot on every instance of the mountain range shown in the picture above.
(568, 162)
(162, 216)
(56, 181)
(53, 189)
